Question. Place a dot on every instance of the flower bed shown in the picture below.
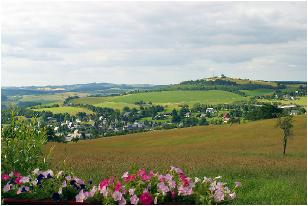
(135, 187)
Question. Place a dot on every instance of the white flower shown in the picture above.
(197, 179)
(131, 191)
(232, 196)
(59, 174)
(155, 200)
(36, 171)
(125, 175)
(34, 182)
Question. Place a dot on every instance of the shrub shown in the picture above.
(21, 144)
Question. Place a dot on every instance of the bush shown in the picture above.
(21, 145)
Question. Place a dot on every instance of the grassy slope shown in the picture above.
(301, 101)
(258, 92)
(251, 153)
(50, 98)
(69, 110)
(172, 98)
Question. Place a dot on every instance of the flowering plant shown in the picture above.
(135, 187)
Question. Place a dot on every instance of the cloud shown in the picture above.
(151, 42)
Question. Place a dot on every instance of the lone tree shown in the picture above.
(285, 124)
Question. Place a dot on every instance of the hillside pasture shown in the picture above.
(250, 153)
(302, 101)
(65, 109)
(170, 98)
(50, 98)
(258, 92)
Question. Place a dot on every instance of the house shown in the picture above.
(70, 125)
(101, 117)
(187, 114)
(294, 112)
(126, 114)
(202, 115)
(70, 137)
(287, 106)
(226, 118)
(56, 128)
(209, 110)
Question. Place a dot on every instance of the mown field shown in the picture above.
(65, 109)
(170, 98)
(250, 153)
(50, 98)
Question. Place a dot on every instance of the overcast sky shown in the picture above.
(158, 43)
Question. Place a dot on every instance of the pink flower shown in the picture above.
(25, 179)
(185, 191)
(134, 200)
(6, 188)
(118, 187)
(16, 174)
(219, 196)
(162, 187)
(80, 197)
(5, 177)
(146, 198)
(18, 180)
(117, 196)
(144, 177)
(238, 184)
(103, 183)
(122, 201)
(129, 178)
(172, 184)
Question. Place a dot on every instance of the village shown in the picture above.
(112, 123)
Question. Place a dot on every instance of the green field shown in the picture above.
(250, 153)
(170, 98)
(65, 109)
(302, 101)
(258, 92)
(50, 98)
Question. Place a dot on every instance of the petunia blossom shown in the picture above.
(134, 200)
(5, 177)
(146, 198)
(80, 197)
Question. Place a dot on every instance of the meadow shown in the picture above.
(258, 92)
(302, 101)
(250, 153)
(65, 109)
(50, 98)
(169, 98)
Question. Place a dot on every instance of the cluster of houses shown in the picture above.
(77, 129)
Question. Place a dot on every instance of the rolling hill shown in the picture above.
(170, 98)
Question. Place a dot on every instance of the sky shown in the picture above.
(65, 42)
